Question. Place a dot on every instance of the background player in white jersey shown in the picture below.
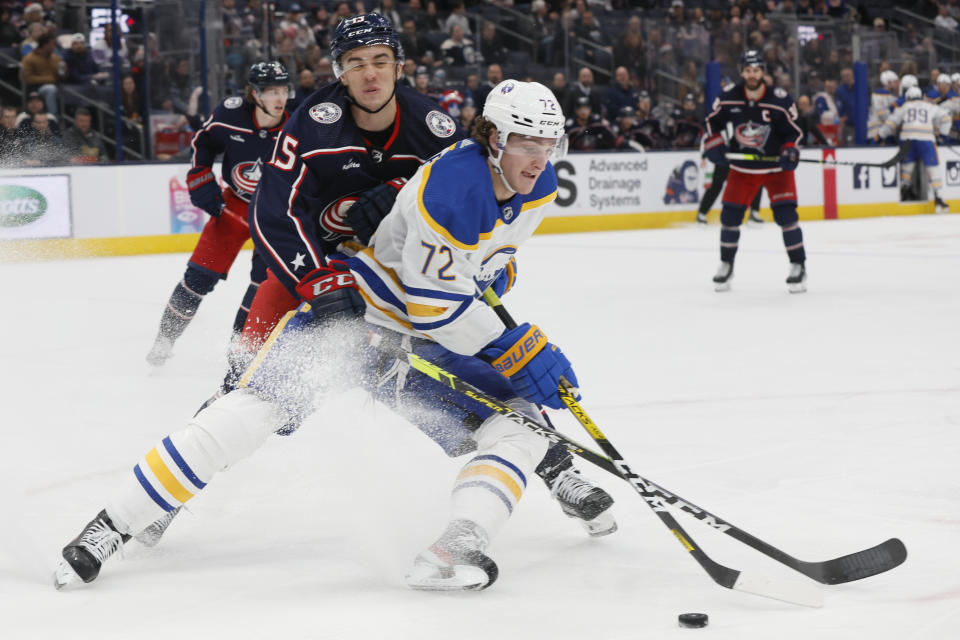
(920, 123)
(882, 101)
(452, 233)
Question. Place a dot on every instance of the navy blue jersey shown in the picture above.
(321, 158)
(761, 126)
(232, 130)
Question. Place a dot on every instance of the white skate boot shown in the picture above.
(455, 562)
(797, 280)
(721, 281)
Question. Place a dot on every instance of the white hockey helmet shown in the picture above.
(944, 78)
(955, 78)
(887, 77)
(907, 81)
(913, 93)
(527, 109)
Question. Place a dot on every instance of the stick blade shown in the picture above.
(857, 566)
(804, 594)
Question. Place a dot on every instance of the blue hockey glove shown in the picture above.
(204, 191)
(505, 279)
(715, 150)
(534, 366)
(789, 157)
(332, 293)
(373, 206)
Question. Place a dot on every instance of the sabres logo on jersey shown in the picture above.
(245, 176)
(752, 136)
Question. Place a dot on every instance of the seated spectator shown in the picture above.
(388, 9)
(10, 37)
(588, 29)
(647, 130)
(102, 50)
(944, 20)
(39, 145)
(41, 72)
(541, 27)
(492, 48)
(458, 50)
(294, 26)
(421, 80)
(621, 93)
(8, 134)
(175, 97)
(587, 131)
(81, 68)
(306, 84)
(630, 51)
(826, 104)
(494, 77)
(686, 124)
(34, 106)
(33, 27)
(560, 89)
(130, 100)
(414, 45)
(807, 121)
(583, 87)
(458, 16)
(468, 113)
(81, 143)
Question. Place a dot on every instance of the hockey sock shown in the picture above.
(793, 241)
(185, 300)
(244, 309)
(731, 216)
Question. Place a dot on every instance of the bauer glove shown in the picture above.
(534, 366)
(332, 293)
(715, 150)
(789, 157)
(204, 191)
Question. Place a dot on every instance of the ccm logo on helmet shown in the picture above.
(332, 282)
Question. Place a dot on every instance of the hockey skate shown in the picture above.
(150, 536)
(721, 281)
(755, 218)
(940, 206)
(702, 217)
(86, 553)
(455, 562)
(581, 499)
(161, 351)
(797, 280)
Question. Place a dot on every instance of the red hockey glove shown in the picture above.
(332, 293)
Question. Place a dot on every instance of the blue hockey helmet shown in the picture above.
(365, 30)
(268, 74)
(751, 58)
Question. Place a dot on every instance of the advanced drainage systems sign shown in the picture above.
(35, 207)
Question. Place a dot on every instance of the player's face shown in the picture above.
(369, 74)
(752, 77)
(274, 99)
(524, 159)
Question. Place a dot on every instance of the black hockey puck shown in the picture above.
(693, 620)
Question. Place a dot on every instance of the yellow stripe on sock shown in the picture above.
(167, 479)
(487, 470)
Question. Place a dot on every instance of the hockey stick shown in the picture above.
(787, 591)
(855, 566)
(753, 157)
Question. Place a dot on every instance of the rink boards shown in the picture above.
(145, 208)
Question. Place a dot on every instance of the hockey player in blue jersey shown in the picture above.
(762, 120)
(243, 130)
(452, 232)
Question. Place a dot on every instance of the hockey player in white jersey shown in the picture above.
(882, 102)
(453, 231)
(920, 124)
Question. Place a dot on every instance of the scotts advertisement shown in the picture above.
(35, 207)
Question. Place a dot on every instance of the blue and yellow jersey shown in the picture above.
(443, 243)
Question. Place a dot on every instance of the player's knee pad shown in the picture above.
(199, 280)
(731, 215)
(231, 428)
(785, 214)
(502, 436)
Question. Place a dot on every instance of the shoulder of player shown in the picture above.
(233, 113)
(777, 98)
(320, 119)
(417, 108)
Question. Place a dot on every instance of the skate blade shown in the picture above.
(721, 286)
(64, 577)
(462, 578)
(602, 525)
(799, 287)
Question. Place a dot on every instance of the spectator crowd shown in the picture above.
(637, 68)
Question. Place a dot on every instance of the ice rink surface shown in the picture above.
(823, 423)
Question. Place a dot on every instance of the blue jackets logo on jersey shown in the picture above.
(326, 112)
(752, 135)
(245, 176)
